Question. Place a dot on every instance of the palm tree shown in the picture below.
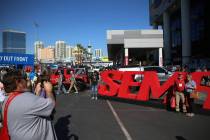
(85, 52)
(80, 51)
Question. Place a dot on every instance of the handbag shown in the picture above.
(194, 95)
(4, 134)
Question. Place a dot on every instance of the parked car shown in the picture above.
(97, 68)
(162, 73)
(82, 77)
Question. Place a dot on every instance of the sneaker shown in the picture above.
(192, 114)
(177, 110)
(188, 114)
(184, 111)
(92, 98)
(76, 92)
(96, 98)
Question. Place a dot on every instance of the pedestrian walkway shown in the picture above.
(79, 117)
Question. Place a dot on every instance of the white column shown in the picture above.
(186, 41)
(166, 37)
(160, 57)
(126, 56)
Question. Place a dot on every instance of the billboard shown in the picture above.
(16, 59)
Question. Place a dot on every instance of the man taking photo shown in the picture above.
(28, 114)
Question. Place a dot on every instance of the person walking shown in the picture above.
(61, 87)
(94, 84)
(179, 93)
(29, 113)
(73, 83)
(190, 87)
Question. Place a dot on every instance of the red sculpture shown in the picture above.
(117, 83)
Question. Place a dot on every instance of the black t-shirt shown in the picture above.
(94, 79)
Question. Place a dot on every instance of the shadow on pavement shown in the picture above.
(180, 138)
(155, 104)
(62, 129)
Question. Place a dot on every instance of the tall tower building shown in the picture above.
(98, 53)
(38, 45)
(60, 50)
(89, 48)
(14, 41)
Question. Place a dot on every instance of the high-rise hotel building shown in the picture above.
(98, 53)
(69, 51)
(60, 50)
(38, 46)
(47, 54)
(14, 41)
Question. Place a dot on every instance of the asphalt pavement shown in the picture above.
(78, 117)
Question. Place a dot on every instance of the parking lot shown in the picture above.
(79, 117)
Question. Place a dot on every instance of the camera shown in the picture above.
(42, 79)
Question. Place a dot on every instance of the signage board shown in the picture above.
(16, 59)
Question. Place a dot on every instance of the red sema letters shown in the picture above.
(117, 83)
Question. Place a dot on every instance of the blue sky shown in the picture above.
(74, 21)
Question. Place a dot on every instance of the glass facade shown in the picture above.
(197, 20)
(14, 42)
(176, 37)
(199, 28)
(198, 33)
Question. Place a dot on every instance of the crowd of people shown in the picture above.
(182, 92)
(30, 112)
(34, 105)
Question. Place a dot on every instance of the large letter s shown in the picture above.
(110, 81)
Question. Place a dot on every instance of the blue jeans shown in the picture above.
(94, 89)
(61, 88)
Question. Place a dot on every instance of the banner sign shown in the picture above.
(14, 58)
(118, 83)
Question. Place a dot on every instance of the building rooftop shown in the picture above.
(14, 31)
